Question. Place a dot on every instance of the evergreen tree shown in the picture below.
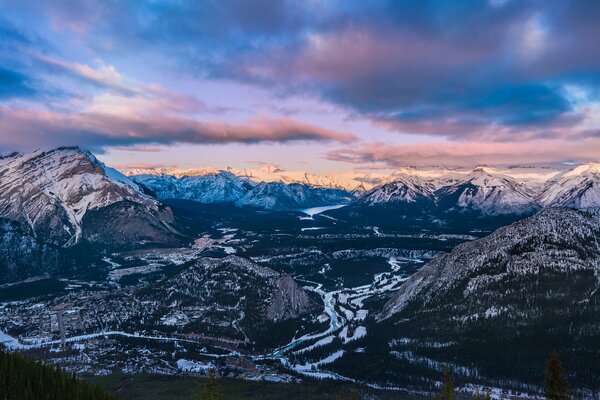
(354, 395)
(556, 386)
(447, 392)
(488, 396)
(25, 379)
(210, 390)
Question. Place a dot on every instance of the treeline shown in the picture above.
(25, 379)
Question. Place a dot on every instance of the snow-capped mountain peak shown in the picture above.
(578, 188)
(52, 191)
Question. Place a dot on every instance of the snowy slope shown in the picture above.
(281, 196)
(213, 187)
(578, 188)
(405, 189)
(350, 181)
(488, 190)
(52, 193)
(554, 239)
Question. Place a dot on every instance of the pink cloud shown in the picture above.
(470, 153)
(26, 128)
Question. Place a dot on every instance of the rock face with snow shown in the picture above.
(225, 187)
(485, 190)
(578, 188)
(281, 196)
(522, 292)
(405, 189)
(488, 191)
(66, 195)
(212, 187)
(23, 256)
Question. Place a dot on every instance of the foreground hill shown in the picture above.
(231, 296)
(495, 307)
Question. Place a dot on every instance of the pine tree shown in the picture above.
(488, 396)
(210, 390)
(447, 392)
(556, 386)
(354, 395)
(25, 379)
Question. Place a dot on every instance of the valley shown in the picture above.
(84, 321)
(287, 282)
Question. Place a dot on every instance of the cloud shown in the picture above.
(103, 76)
(141, 166)
(470, 153)
(26, 128)
(490, 72)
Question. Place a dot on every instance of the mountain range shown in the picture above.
(489, 190)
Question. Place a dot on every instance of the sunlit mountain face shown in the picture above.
(302, 199)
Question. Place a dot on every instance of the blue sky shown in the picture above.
(315, 85)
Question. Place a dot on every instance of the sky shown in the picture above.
(311, 85)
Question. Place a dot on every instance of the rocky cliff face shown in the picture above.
(288, 300)
(22, 256)
(213, 187)
(281, 196)
(58, 196)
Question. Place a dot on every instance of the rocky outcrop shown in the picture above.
(289, 300)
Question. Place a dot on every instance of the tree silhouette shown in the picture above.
(556, 386)
(447, 392)
(210, 390)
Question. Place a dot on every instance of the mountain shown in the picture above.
(281, 196)
(403, 189)
(65, 196)
(578, 188)
(210, 187)
(484, 189)
(349, 181)
(238, 288)
(498, 306)
(225, 187)
(489, 191)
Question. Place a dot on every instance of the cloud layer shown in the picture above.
(479, 75)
